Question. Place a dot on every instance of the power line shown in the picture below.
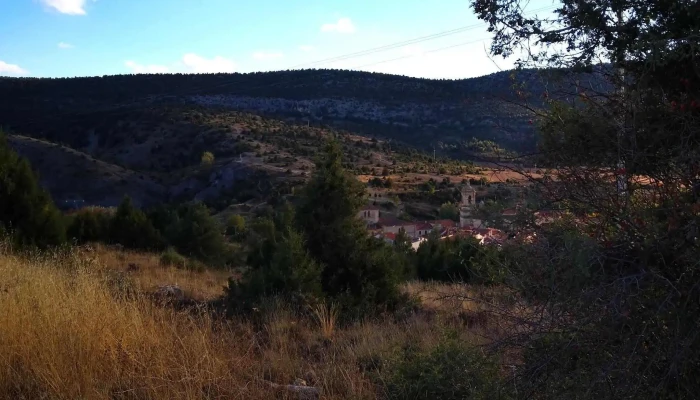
(389, 46)
(405, 42)
(425, 52)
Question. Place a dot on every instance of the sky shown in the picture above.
(66, 38)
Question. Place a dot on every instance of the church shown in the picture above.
(467, 208)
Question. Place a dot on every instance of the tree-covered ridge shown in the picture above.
(293, 84)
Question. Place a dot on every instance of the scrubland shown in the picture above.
(82, 324)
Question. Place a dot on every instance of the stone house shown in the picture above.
(369, 214)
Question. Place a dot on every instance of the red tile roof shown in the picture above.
(445, 223)
(390, 221)
(423, 226)
(390, 236)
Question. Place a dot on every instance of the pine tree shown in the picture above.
(356, 266)
(131, 228)
(280, 265)
(197, 234)
(26, 210)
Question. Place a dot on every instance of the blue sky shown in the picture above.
(58, 38)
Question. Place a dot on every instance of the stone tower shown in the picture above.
(466, 207)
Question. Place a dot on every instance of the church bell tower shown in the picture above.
(466, 207)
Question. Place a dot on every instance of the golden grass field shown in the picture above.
(69, 331)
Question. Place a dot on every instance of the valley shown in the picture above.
(144, 135)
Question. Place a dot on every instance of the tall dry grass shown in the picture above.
(69, 330)
(65, 335)
(199, 285)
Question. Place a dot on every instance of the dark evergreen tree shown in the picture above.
(89, 225)
(26, 210)
(198, 235)
(280, 265)
(131, 228)
(356, 266)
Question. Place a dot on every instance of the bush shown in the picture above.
(235, 227)
(451, 370)
(171, 258)
(131, 228)
(459, 259)
(90, 224)
(449, 211)
(192, 231)
(196, 234)
(279, 265)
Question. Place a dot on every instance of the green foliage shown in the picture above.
(449, 211)
(26, 209)
(131, 228)
(90, 224)
(357, 267)
(171, 258)
(279, 265)
(193, 232)
(236, 227)
(452, 370)
(402, 246)
(458, 259)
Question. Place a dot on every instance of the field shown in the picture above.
(82, 325)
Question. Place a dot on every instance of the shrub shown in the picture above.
(131, 228)
(90, 224)
(171, 258)
(449, 211)
(279, 265)
(235, 227)
(459, 259)
(196, 234)
(451, 370)
(192, 231)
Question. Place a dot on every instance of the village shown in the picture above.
(387, 227)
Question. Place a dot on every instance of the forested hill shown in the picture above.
(97, 138)
(420, 112)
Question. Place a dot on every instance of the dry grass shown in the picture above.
(67, 332)
(326, 316)
(149, 274)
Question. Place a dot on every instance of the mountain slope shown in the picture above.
(144, 135)
(75, 178)
(420, 112)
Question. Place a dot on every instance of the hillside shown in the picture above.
(145, 134)
(75, 178)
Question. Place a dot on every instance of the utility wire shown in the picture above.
(425, 52)
(406, 42)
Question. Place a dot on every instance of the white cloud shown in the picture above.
(199, 64)
(137, 68)
(64, 45)
(267, 55)
(11, 69)
(343, 25)
(70, 7)
(190, 63)
(306, 48)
